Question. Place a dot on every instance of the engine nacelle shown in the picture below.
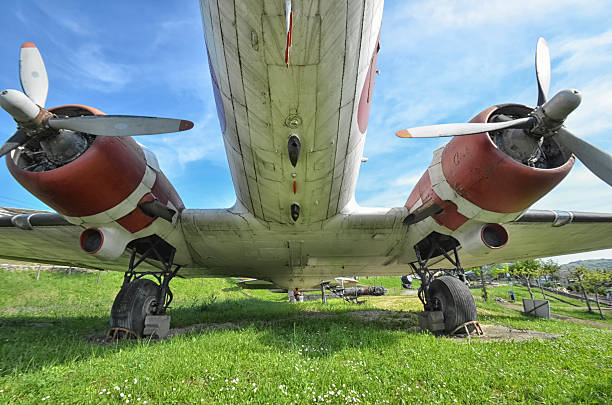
(482, 238)
(104, 242)
(484, 179)
(97, 182)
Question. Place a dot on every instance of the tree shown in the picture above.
(551, 269)
(595, 280)
(493, 271)
(480, 272)
(579, 273)
(525, 270)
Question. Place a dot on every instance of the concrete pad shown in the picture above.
(158, 325)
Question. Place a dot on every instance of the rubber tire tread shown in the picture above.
(458, 305)
(128, 309)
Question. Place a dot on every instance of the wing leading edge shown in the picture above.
(545, 233)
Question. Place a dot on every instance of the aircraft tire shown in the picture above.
(455, 301)
(133, 303)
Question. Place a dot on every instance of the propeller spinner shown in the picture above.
(35, 122)
(546, 120)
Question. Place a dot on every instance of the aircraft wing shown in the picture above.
(46, 237)
(543, 233)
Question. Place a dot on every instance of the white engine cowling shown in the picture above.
(105, 242)
(482, 238)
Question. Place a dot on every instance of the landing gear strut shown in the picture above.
(141, 298)
(444, 295)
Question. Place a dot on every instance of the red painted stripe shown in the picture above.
(289, 39)
(28, 45)
(294, 187)
(185, 125)
(365, 100)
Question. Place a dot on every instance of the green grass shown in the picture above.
(556, 307)
(259, 349)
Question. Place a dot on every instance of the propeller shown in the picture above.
(35, 122)
(546, 120)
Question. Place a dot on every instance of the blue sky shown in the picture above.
(441, 61)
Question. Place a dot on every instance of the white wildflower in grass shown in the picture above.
(117, 388)
(122, 395)
(135, 380)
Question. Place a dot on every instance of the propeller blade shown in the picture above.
(442, 130)
(120, 125)
(15, 141)
(33, 74)
(20, 106)
(542, 64)
(598, 161)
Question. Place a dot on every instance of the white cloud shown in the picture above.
(94, 70)
(176, 151)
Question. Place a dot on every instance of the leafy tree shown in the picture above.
(579, 273)
(492, 271)
(525, 270)
(595, 281)
(550, 269)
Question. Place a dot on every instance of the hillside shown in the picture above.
(592, 264)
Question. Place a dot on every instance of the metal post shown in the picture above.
(323, 294)
(38, 274)
(99, 275)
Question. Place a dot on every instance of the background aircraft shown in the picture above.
(401, 104)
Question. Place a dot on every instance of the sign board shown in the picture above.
(537, 308)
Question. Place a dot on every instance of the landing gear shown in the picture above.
(141, 298)
(446, 298)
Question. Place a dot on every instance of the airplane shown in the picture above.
(293, 84)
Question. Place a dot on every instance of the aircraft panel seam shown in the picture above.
(247, 113)
(331, 183)
(346, 152)
(232, 101)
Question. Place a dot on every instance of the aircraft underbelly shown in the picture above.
(262, 102)
(225, 242)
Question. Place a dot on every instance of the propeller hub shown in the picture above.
(562, 104)
(551, 115)
(19, 106)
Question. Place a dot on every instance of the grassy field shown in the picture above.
(253, 347)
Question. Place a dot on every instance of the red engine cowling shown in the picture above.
(483, 178)
(102, 187)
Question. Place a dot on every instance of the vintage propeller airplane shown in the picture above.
(293, 83)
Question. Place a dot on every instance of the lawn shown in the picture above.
(254, 347)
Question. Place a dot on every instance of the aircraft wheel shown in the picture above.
(133, 303)
(451, 296)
